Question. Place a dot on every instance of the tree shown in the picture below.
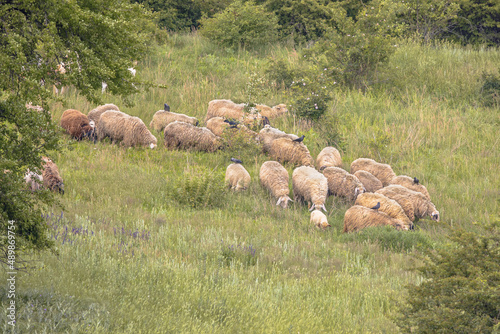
(96, 40)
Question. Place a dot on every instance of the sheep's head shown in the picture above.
(435, 215)
(283, 201)
(320, 207)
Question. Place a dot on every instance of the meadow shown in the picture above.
(149, 241)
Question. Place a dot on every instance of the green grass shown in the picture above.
(138, 252)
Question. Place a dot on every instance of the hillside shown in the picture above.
(149, 240)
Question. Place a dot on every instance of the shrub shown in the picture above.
(309, 97)
(241, 24)
(490, 90)
(240, 144)
(461, 291)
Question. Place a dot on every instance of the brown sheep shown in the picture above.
(387, 205)
(422, 207)
(181, 135)
(328, 157)
(270, 113)
(130, 131)
(309, 185)
(95, 114)
(77, 124)
(286, 150)
(274, 177)
(370, 182)
(51, 178)
(162, 118)
(343, 184)
(358, 217)
(409, 183)
(383, 172)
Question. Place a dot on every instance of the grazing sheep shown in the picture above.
(358, 217)
(370, 182)
(51, 178)
(387, 205)
(131, 131)
(162, 118)
(270, 113)
(181, 135)
(225, 108)
(319, 219)
(328, 157)
(77, 124)
(383, 172)
(309, 185)
(268, 134)
(287, 150)
(274, 177)
(343, 184)
(33, 180)
(237, 177)
(96, 113)
(422, 207)
(217, 125)
(409, 183)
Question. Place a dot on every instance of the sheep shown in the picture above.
(237, 177)
(131, 131)
(225, 108)
(274, 177)
(96, 113)
(358, 217)
(51, 178)
(328, 157)
(217, 125)
(270, 113)
(77, 124)
(343, 184)
(370, 182)
(409, 183)
(287, 150)
(185, 136)
(309, 185)
(387, 205)
(162, 118)
(422, 207)
(33, 180)
(383, 172)
(319, 219)
(268, 134)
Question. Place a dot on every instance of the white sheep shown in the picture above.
(328, 157)
(383, 172)
(237, 177)
(319, 219)
(274, 177)
(343, 184)
(268, 134)
(162, 118)
(309, 185)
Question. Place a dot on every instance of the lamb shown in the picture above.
(358, 217)
(387, 205)
(311, 186)
(270, 113)
(409, 183)
(328, 157)
(77, 124)
(187, 136)
(370, 182)
(422, 207)
(274, 177)
(287, 150)
(96, 113)
(319, 219)
(343, 184)
(33, 180)
(383, 172)
(51, 178)
(162, 118)
(268, 134)
(237, 177)
(131, 131)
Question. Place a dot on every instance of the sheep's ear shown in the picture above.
(312, 207)
(323, 207)
(279, 201)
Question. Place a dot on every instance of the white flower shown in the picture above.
(316, 107)
(334, 82)
(325, 69)
(304, 83)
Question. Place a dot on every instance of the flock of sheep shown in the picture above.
(379, 196)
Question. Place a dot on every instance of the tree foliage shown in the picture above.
(461, 293)
(96, 41)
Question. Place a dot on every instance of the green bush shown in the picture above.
(241, 24)
(461, 290)
(309, 97)
(490, 90)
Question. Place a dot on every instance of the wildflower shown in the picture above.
(325, 68)
(304, 83)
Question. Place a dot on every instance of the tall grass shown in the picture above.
(132, 257)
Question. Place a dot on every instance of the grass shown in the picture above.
(139, 252)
